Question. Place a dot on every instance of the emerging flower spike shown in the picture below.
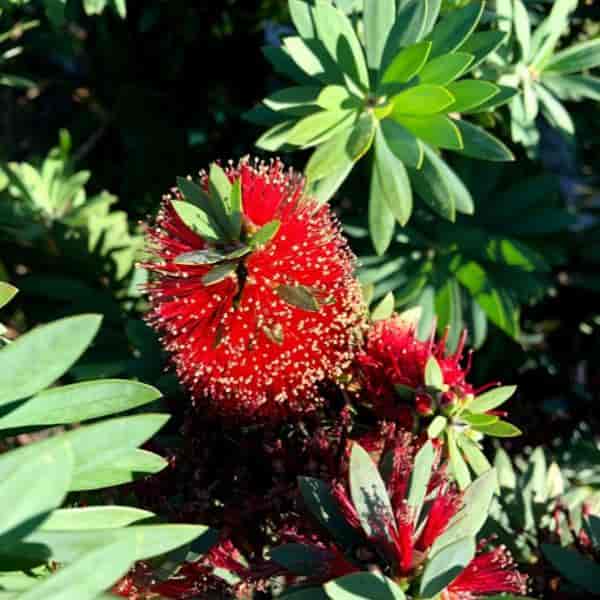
(490, 572)
(252, 288)
(394, 356)
(400, 540)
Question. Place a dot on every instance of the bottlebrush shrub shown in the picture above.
(405, 100)
(412, 536)
(403, 378)
(253, 290)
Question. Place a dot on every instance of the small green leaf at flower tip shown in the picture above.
(207, 256)
(298, 296)
(274, 333)
(219, 273)
(433, 374)
(265, 234)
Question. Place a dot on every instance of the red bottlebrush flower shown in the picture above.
(278, 316)
(393, 355)
(489, 573)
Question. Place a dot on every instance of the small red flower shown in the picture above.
(393, 355)
(491, 572)
(257, 341)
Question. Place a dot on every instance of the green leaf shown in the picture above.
(385, 308)
(522, 27)
(87, 576)
(444, 69)
(358, 586)
(327, 186)
(433, 12)
(473, 514)
(408, 29)
(576, 58)
(293, 100)
(475, 457)
(379, 18)
(492, 399)
(197, 220)
(298, 296)
(500, 429)
(125, 468)
(453, 31)
(471, 93)
(460, 470)
(369, 494)
(80, 402)
(148, 540)
(554, 112)
(477, 420)
(330, 157)
(505, 95)
(407, 63)
(285, 65)
(437, 130)
(7, 293)
(265, 234)
(393, 180)
(446, 565)
(577, 569)
(299, 559)
(211, 215)
(481, 44)
(55, 346)
(219, 273)
(572, 87)
(433, 374)
(33, 486)
(506, 473)
(530, 101)
(94, 517)
(318, 127)
(381, 220)
(275, 137)
(440, 187)
(319, 501)
(336, 33)
(339, 153)
(419, 479)
(302, 17)
(405, 146)
(437, 426)
(478, 143)
(421, 100)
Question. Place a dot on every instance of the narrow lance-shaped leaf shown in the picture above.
(393, 180)
(452, 32)
(55, 346)
(381, 219)
(369, 494)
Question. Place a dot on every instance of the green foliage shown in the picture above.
(94, 546)
(545, 74)
(481, 268)
(403, 100)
